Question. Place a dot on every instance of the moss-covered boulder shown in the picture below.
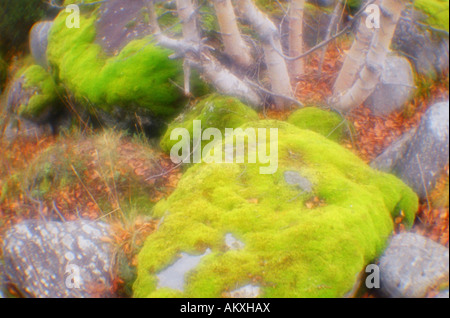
(326, 123)
(117, 71)
(307, 230)
(34, 95)
(215, 111)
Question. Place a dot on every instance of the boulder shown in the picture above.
(119, 23)
(307, 230)
(396, 87)
(3, 287)
(427, 49)
(412, 265)
(59, 260)
(34, 95)
(443, 294)
(214, 111)
(389, 158)
(38, 42)
(422, 165)
(326, 123)
(114, 69)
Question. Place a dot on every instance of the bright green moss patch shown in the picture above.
(215, 111)
(141, 75)
(293, 247)
(326, 123)
(437, 11)
(46, 93)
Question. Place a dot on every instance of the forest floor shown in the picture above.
(371, 137)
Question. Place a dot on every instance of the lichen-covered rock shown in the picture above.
(412, 265)
(34, 95)
(59, 260)
(396, 87)
(326, 123)
(422, 165)
(215, 111)
(293, 243)
(38, 42)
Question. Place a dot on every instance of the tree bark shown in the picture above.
(370, 75)
(355, 58)
(270, 38)
(235, 46)
(296, 36)
(197, 56)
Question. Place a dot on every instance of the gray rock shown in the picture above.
(294, 178)
(232, 243)
(39, 41)
(412, 265)
(395, 89)
(2, 281)
(175, 275)
(387, 160)
(427, 156)
(248, 291)
(59, 260)
(120, 22)
(323, 3)
(443, 294)
(427, 49)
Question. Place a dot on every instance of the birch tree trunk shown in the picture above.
(356, 57)
(235, 46)
(370, 75)
(296, 36)
(192, 51)
(271, 42)
(186, 13)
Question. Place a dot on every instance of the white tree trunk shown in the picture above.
(235, 46)
(356, 57)
(270, 38)
(370, 75)
(222, 79)
(296, 36)
(186, 13)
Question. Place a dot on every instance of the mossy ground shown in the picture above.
(327, 123)
(215, 111)
(47, 93)
(292, 248)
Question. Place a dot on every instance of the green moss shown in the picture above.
(292, 249)
(141, 75)
(437, 11)
(215, 111)
(326, 123)
(46, 96)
